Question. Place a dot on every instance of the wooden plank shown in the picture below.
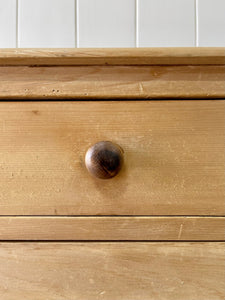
(46, 23)
(173, 151)
(106, 23)
(213, 34)
(166, 23)
(8, 24)
(113, 228)
(112, 271)
(112, 82)
(120, 56)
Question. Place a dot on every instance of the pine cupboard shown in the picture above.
(112, 174)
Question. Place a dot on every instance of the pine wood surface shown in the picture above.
(114, 56)
(169, 192)
(113, 228)
(112, 271)
(112, 82)
(173, 158)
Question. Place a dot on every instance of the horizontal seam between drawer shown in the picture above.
(111, 241)
(113, 216)
(110, 99)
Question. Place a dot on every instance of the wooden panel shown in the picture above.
(156, 73)
(166, 23)
(121, 56)
(211, 23)
(106, 23)
(7, 24)
(46, 23)
(113, 228)
(174, 158)
(113, 82)
(112, 271)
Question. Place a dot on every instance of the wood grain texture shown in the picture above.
(112, 271)
(113, 228)
(119, 56)
(173, 158)
(112, 82)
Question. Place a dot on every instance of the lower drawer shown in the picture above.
(173, 158)
(114, 271)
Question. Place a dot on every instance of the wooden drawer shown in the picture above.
(174, 158)
(112, 271)
(156, 230)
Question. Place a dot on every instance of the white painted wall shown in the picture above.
(111, 23)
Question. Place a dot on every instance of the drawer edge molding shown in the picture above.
(112, 228)
(113, 56)
(148, 73)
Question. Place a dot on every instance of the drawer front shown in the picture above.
(112, 271)
(173, 158)
(132, 228)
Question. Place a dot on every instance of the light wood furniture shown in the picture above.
(156, 229)
(112, 271)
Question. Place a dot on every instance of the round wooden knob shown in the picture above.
(104, 159)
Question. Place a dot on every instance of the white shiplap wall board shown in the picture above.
(46, 23)
(166, 23)
(211, 23)
(8, 24)
(111, 23)
(106, 23)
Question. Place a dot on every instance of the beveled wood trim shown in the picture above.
(113, 228)
(138, 73)
(114, 56)
(112, 82)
